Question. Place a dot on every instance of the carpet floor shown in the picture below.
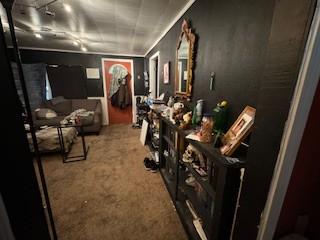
(110, 195)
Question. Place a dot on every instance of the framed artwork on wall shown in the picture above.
(166, 73)
(93, 73)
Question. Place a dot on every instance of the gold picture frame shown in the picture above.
(188, 36)
(166, 73)
(238, 131)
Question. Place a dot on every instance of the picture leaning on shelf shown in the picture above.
(238, 131)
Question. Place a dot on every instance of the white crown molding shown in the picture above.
(74, 51)
(179, 15)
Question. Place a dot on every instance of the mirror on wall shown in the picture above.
(184, 61)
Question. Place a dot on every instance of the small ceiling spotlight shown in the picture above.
(76, 43)
(84, 49)
(38, 35)
(67, 7)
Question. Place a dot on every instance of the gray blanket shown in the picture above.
(48, 140)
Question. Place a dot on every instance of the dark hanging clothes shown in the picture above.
(114, 99)
(122, 97)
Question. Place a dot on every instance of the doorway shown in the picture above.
(154, 63)
(116, 114)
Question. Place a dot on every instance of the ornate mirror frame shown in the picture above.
(191, 38)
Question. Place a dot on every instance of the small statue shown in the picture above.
(170, 102)
(187, 118)
(189, 154)
(178, 112)
(192, 154)
(207, 125)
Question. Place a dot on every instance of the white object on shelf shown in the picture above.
(27, 127)
(196, 221)
(144, 130)
(193, 136)
(156, 153)
(156, 135)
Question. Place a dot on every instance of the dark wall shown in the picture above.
(95, 87)
(289, 30)
(231, 41)
(255, 50)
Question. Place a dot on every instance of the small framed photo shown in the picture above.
(238, 131)
(166, 73)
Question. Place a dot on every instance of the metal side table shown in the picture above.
(65, 154)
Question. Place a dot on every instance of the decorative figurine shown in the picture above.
(206, 129)
(186, 120)
(220, 115)
(199, 108)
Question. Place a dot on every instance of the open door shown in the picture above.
(116, 114)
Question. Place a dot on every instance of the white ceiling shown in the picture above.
(123, 27)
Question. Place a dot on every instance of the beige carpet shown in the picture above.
(110, 195)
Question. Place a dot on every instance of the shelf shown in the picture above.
(154, 145)
(206, 148)
(168, 182)
(151, 146)
(186, 220)
(169, 158)
(217, 198)
(202, 211)
(217, 157)
(169, 123)
(168, 140)
(203, 182)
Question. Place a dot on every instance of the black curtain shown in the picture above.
(35, 76)
(67, 81)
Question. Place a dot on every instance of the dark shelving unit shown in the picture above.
(203, 209)
(203, 181)
(168, 182)
(215, 202)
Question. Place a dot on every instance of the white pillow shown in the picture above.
(45, 113)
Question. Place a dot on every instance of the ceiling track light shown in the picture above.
(67, 7)
(38, 35)
(84, 49)
(75, 43)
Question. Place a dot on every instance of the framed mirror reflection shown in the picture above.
(184, 61)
